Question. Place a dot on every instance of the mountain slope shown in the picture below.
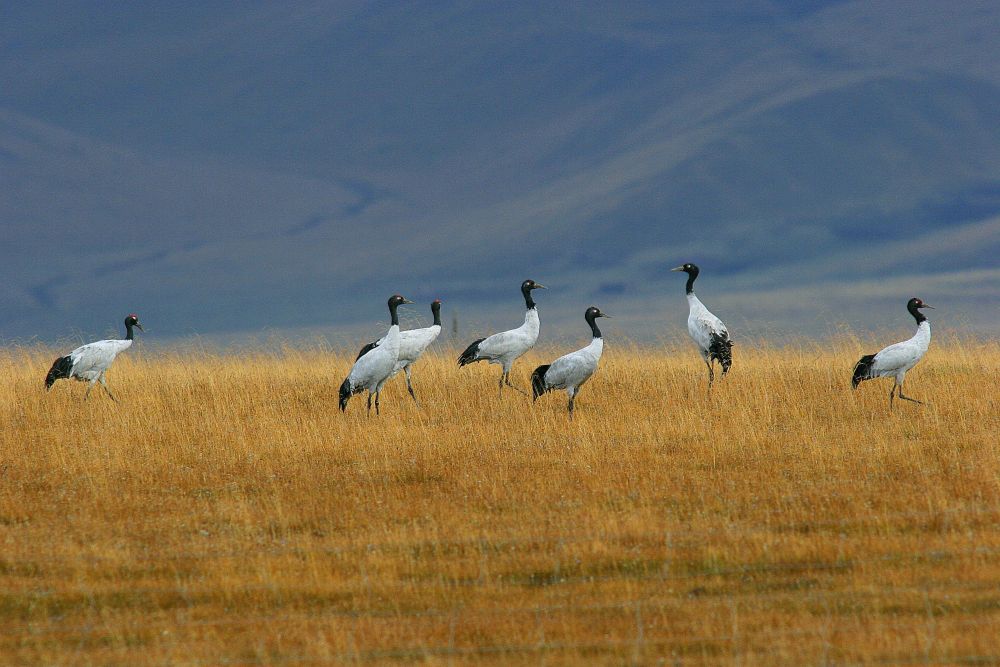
(231, 168)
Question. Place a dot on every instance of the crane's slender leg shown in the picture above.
(572, 397)
(506, 377)
(89, 387)
(892, 393)
(369, 403)
(377, 392)
(711, 371)
(409, 387)
(907, 398)
(105, 385)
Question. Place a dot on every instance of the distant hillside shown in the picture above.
(231, 168)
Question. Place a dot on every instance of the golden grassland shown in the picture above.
(226, 512)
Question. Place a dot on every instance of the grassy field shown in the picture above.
(227, 513)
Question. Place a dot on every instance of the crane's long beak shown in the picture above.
(605, 315)
(140, 327)
(405, 300)
(540, 286)
(678, 268)
(926, 306)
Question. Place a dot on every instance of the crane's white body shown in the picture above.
(702, 325)
(505, 347)
(706, 330)
(89, 363)
(894, 361)
(377, 365)
(92, 360)
(412, 343)
(572, 370)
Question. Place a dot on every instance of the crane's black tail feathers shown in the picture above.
(60, 369)
(345, 394)
(862, 370)
(538, 381)
(470, 353)
(721, 350)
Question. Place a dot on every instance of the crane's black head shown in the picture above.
(592, 314)
(133, 321)
(396, 300)
(526, 288)
(436, 311)
(529, 285)
(692, 271)
(913, 305)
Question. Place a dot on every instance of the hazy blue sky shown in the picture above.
(225, 168)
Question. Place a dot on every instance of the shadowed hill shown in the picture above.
(240, 167)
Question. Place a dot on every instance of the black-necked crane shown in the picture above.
(894, 361)
(374, 366)
(412, 344)
(572, 370)
(89, 363)
(706, 330)
(505, 347)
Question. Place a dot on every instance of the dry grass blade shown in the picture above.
(226, 512)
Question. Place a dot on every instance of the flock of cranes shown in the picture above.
(380, 360)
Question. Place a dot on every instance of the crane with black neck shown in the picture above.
(89, 363)
(505, 347)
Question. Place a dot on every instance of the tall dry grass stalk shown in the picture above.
(227, 512)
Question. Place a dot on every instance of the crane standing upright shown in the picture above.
(572, 370)
(706, 330)
(895, 360)
(505, 347)
(374, 366)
